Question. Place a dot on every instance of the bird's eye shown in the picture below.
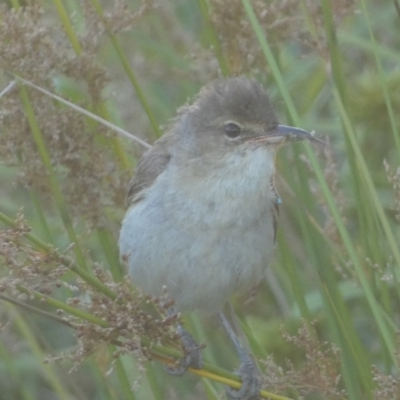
(232, 131)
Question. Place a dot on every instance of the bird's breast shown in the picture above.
(237, 191)
(202, 234)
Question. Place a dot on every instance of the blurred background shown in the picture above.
(324, 324)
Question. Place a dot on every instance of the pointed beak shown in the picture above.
(283, 133)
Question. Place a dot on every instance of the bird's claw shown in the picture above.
(192, 355)
(251, 383)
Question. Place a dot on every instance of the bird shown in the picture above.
(202, 207)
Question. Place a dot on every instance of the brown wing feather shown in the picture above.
(151, 164)
(275, 213)
(275, 209)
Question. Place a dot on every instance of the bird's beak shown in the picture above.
(283, 133)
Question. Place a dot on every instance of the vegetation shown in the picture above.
(324, 324)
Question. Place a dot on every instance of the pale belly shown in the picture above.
(200, 262)
(210, 239)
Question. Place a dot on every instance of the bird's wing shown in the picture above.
(275, 214)
(151, 164)
(275, 208)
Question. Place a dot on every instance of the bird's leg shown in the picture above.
(248, 372)
(192, 355)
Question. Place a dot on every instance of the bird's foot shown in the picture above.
(251, 382)
(192, 355)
